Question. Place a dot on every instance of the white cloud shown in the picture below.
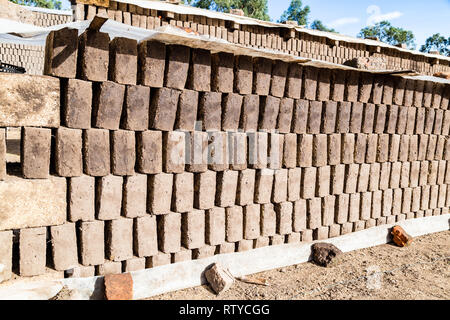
(376, 15)
(343, 21)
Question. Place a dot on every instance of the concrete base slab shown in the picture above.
(155, 281)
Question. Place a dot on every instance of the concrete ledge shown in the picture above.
(152, 282)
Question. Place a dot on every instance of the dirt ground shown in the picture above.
(421, 271)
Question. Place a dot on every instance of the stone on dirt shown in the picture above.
(324, 254)
(219, 278)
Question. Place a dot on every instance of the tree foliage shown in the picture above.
(49, 4)
(389, 34)
(437, 43)
(252, 8)
(296, 12)
(318, 25)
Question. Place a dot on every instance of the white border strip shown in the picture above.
(152, 282)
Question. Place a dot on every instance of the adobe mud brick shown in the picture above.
(351, 178)
(68, 152)
(437, 128)
(183, 192)
(243, 74)
(151, 63)
(76, 103)
(383, 148)
(356, 117)
(289, 151)
(429, 121)
(231, 111)
(309, 177)
(268, 112)
(299, 216)
(177, 66)
(136, 108)
(409, 93)
(402, 120)
(314, 215)
(280, 186)
(93, 56)
(278, 82)
(149, 152)
(334, 149)
(210, 111)
(360, 148)
(365, 88)
(2, 154)
(323, 85)
(294, 184)
(399, 91)
(187, 110)
(134, 196)
(427, 94)
(158, 260)
(64, 246)
(163, 108)
(181, 256)
(262, 242)
(300, 116)
(285, 115)
(134, 264)
(425, 198)
(197, 152)
(159, 193)
(396, 169)
(276, 146)
(226, 188)
(343, 117)
(315, 117)
(92, 243)
(385, 173)
(6, 254)
(328, 208)
(294, 81)
(193, 229)
(61, 49)
(169, 232)
(380, 118)
(108, 200)
(413, 147)
(174, 148)
(123, 60)
(199, 75)
(411, 122)
(432, 148)
(348, 148)
(107, 106)
(404, 148)
(263, 186)
(388, 90)
(377, 90)
(323, 181)
(222, 74)
(250, 113)
(234, 229)
(123, 157)
(368, 118)
(320, 150)
(446, 123)
(338, 178)
(35, 152)
(245, 187)
(204, 190)
(237, 150)
(309, 89)
(218, 154)
(215, 226)
(32, 251)
(81, 199)
(203, 252)
(96, 152)
(284, 213)
(337, 85)
(145, 237)
(119, 239)
(342, 208)
(268, 220)
(351, 86)
(329, 117)
(262, 74)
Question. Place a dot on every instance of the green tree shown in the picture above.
(49, 4)
(252, 8)
(437, 43)
(296, 12)
(318, 25)
(389, 34)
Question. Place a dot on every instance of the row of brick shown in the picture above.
(100, 152)
(280, 39)
(109, 105)
(178, 67)
(133, 244)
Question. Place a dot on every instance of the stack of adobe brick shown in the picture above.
(280, 39)
(173, 153)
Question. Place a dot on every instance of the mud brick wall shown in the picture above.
(30, 57)
(164, 153)
(279, 39)
(46, 19)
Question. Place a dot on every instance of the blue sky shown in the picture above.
(424, 18)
